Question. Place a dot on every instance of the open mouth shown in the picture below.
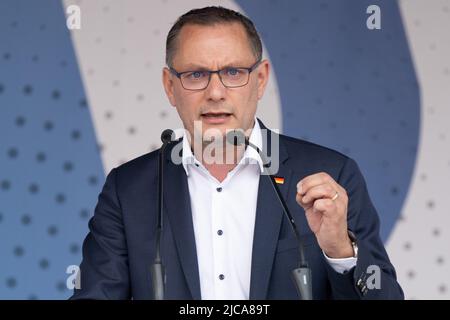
(215, 117)
(215, 114)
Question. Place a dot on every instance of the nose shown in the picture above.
(215, 91)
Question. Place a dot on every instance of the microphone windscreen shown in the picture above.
(167, 136)
(236, 137)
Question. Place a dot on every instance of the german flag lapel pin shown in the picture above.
(279, 180)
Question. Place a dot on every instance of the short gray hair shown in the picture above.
(210, 16)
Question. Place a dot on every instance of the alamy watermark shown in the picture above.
(373, 22)
(211, 147)
(74, 279)
(374, 279)
(73, 20)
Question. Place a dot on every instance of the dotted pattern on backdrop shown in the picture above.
(50, 162)
(50, 168)
(27, 220)
(92, 45)
(120, 50)
(347, 87)
(419, 245)
(124, 99)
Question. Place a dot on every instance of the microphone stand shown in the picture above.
(157, 269)
(302, 274)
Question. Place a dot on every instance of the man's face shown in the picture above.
(212, 48)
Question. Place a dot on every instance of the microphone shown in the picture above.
(158, 272)
(167, 136)
(302, 274)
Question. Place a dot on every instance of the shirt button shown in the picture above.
(219, 232)
(221, 277)
(219, 189)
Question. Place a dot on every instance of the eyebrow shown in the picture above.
(195, 67)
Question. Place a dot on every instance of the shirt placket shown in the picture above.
(219, 241)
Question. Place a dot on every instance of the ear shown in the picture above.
(168, 85)
(263, 77)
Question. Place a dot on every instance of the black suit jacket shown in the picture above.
(119, 249)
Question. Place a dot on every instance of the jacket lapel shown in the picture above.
(178, 209)
(269, 216)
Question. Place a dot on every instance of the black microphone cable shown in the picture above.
(301, 275)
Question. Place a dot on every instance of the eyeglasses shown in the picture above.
(231, 77)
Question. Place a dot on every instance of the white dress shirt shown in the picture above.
(223, 215)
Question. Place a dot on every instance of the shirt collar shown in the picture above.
(250, 154)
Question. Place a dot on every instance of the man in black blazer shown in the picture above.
(225, 235)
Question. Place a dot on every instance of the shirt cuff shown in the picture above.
(341, 265)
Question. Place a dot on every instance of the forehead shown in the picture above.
(213, 46)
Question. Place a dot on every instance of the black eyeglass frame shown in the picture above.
(210, 72)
